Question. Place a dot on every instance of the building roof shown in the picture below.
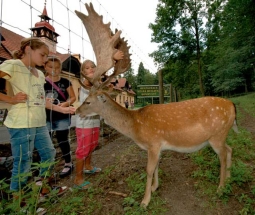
(10, 43)
(46, 25)
(4, 54)
(122, 84)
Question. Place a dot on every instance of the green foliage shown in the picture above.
(178, 29)
(246, 102)
(140, 74)
(231, 57)
(209, 41)
(136, 183)
(27, 199)
(241, 173)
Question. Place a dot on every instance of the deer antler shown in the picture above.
(102, 41)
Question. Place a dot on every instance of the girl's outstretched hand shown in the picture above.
(68, 110)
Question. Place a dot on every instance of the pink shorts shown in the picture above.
(87, 141)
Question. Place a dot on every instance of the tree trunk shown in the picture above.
(199, 69)
(161, 87)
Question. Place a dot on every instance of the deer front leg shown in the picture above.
(152, 163)
(155, 180)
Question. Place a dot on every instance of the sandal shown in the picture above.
(41, 211)
(64, 174)
(55, 191)
(84, 186)
(92, 171)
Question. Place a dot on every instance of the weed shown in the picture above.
(136, 183)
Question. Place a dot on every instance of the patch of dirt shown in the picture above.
(177, 187)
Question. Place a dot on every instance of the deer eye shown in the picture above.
(87, 103)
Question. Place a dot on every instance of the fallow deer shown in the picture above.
(185, 126)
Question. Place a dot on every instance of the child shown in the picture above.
(26, 120)
(126, 104)
(87, 130)
(61, 92)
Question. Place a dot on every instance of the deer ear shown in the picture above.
(113, 94)
(101, 98)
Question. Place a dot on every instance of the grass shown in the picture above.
(247, 102)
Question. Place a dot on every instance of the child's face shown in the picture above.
(88, 69)
(39, 56)
(53, 68)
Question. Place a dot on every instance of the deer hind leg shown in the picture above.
(225, 154)
(153, 158)
(229, 161)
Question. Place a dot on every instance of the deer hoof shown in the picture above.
(220, 190)
(154, 188)
(143, 205)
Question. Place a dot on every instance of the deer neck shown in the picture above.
(120, 118)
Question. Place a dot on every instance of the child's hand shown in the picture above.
(68, 110)
(19, 98)
(119, 55)
(51, 100)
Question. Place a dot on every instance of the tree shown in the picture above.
(150, 78)
(140, 74)
(212, 41)
(234, 51)
(179, 30)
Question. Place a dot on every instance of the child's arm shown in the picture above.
(60, 109)
(71, 98)
(18, 98)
